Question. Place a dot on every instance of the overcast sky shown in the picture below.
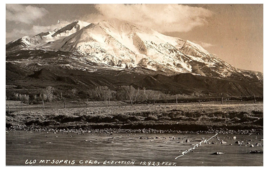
(232, 32)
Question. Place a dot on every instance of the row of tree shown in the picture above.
(102, 93)
(125, 93)
(46, 96)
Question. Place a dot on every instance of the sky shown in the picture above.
(233, 33)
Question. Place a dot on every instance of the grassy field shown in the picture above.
(189, 116)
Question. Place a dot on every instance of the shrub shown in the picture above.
(151, 117)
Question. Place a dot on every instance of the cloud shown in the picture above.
(161, 17)
(24, 14)
(206, 45)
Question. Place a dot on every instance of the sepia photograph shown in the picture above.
(134, 85)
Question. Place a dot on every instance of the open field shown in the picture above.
(184, 117)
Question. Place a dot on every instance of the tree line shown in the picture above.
(101, 93)
(127, 93)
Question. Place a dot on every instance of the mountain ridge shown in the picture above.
(118, 46)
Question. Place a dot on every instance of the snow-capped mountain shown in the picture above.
(120, 45)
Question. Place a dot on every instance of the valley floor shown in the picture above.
(135, 135)
(94, 149)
